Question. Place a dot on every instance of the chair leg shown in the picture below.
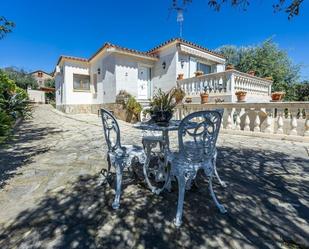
(222, 183)
(116, 203)
(213, 195)
(181, 195)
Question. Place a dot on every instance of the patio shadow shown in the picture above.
(265, 199)
(20, 150)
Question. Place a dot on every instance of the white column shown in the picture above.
(229, 123)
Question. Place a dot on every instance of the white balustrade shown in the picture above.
(227, 83)
(271, 118)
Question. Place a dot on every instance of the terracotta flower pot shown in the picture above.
(241, 96)
(268, 78)
(178, 99)
(204, 98)
(180, 76)
(229, 67)
(277, 96)
(251, 72)
(198, 73)
(188, 100)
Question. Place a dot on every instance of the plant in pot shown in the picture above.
(180, 76)
(251, 72)
(198, 73)
(162, 106)
(179, 94)
(188, 100)
(241, 96)
(229, 67)
(277, 96)
(204, 95)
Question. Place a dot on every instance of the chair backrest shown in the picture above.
(198, 133)
(111, 130)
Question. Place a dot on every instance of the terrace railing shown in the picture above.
(282, 119)
(226, 84)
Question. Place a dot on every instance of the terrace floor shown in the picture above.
(50, 196)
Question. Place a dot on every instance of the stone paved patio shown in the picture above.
(50, 196)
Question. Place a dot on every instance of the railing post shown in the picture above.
(306, 132)
(257, 122)
(247, 123)
(293, 130)
(238, 121)
(268, 122)
(229, 119)
(280, 122)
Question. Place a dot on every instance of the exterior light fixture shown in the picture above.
(182, 63)
(99, 70)
(164, 65)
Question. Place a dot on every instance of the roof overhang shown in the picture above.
(128, 53)
(189, 50)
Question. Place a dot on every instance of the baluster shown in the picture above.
(229, 119)
(257, 122)
(280, 122)
(293, 130)
(306, 132)
(247, 123)
(268, 122)
(238, 121)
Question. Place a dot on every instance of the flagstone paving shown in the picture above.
(50, 196)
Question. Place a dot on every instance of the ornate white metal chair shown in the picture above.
(197, 137)
(118, 155)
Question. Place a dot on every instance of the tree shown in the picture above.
(22, 78)
(5, 27)
(50, 95)
(291, 7)
(302, 91)
(267, 60)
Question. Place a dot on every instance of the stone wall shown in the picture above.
(117, 109)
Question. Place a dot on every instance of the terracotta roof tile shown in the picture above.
(133, 51)
(182, 41)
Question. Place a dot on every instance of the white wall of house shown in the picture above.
(165, 78)
(109, 79)
(75, 97)
(36, 96)
(126, 75)
(59, 89)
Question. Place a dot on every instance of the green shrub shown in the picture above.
(13, 104)
(133, 106)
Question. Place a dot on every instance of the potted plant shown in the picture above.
(229, 67)
(277, 96)
(180, 76)
(179, 94)
(198, 73)
(162, 106)
(251, 72)
(268, 78)
(188, 100)
(204, 96)
(241, 96)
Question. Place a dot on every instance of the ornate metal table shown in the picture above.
(162, 172)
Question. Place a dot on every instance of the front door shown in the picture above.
(142, 82)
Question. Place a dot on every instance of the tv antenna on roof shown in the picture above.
(179, 8)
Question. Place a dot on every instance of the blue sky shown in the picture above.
(47, 29)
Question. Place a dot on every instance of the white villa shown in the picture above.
(83, 85)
